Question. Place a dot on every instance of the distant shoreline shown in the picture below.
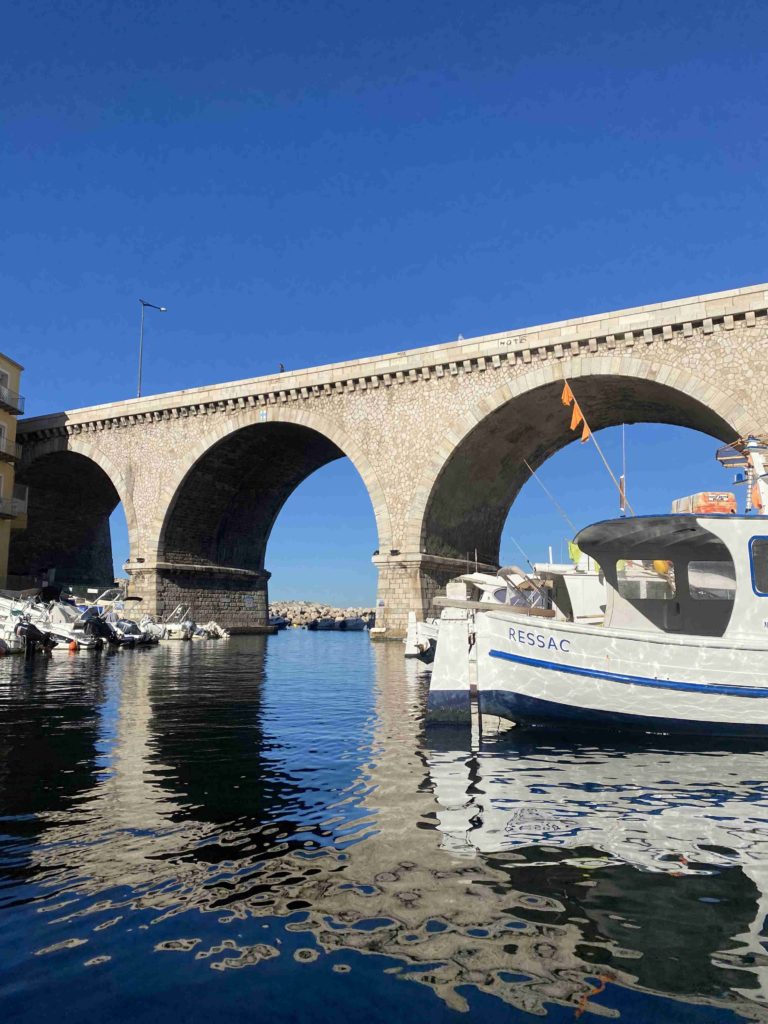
(303, 612)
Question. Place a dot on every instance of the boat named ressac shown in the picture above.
(683, 646)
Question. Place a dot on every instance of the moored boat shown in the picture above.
(683, 646)
(351, 624)
(573, 591)
(323, 624)
(56, 618)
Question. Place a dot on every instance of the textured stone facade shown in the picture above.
(233, 597)
(437, 434)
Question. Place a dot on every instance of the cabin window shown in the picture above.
(652, 579)
(758, 551)
(712, 581)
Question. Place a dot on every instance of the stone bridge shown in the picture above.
(438, 436)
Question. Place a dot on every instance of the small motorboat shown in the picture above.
(109, 609)
(67, 624)
(351, 624)
(323, 624)
(179, 625)
(33, 638)
(210, 631)
(575, 592)
(421, 638)
(50, 614)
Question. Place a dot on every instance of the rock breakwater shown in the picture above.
(311, 615)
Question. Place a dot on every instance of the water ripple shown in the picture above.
(277, 805)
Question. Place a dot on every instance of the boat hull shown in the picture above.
(565, 676)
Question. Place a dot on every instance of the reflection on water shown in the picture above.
(171, 817)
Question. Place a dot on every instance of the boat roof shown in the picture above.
(484, 579)
(662, 533)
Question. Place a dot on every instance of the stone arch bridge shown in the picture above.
(438, 436)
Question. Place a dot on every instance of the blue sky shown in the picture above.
(305, 182)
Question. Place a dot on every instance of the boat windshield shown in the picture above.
(712, 581)
(63, 612)
(647, 578)
(666, 573)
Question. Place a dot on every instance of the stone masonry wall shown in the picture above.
(239, 604)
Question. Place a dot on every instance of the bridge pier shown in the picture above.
(410, 582)
(236, 599)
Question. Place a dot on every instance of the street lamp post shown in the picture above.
(160, 309)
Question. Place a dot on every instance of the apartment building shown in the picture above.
(13, 497)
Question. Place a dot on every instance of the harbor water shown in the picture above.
(262, 828)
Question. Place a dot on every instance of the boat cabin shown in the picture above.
(700, 575)
(577, 590)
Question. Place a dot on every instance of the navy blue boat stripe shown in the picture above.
(615, 677)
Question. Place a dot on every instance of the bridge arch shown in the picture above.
(324, 441)
(473, 476)
(208, 541)
(73, 489)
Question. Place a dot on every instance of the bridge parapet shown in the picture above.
(615, 332)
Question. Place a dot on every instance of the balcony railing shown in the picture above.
(10, 451)
(10, 508)
(10, 401)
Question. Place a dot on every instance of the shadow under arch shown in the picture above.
(73, 490)
(221, 506)
(474, 476)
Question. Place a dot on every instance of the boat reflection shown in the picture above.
(662, 852)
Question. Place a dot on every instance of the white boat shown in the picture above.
(573, 591)
(66, 623)
(683, 647)
(181, 626)
(178, 625)
(210, 631)
(421, 638)
(107, 616)
(576, 591)
(60, 620)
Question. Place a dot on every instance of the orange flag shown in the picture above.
(577, 416)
